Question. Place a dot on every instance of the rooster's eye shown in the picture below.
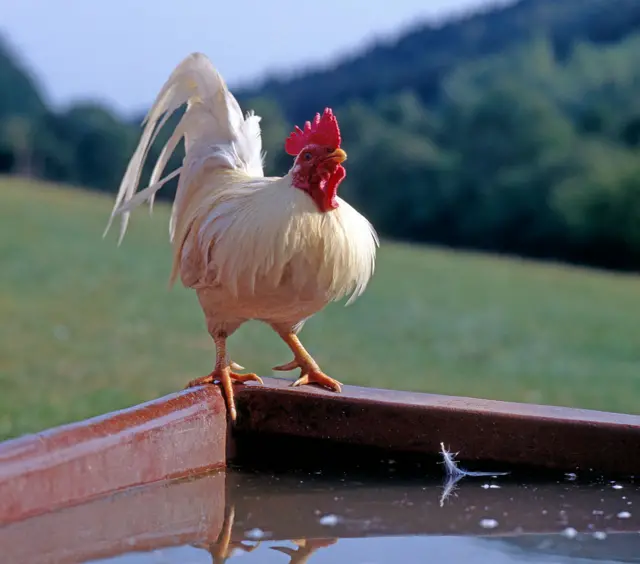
(307, 156)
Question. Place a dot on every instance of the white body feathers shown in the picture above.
(252, 247)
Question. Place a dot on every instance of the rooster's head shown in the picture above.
(317, 169)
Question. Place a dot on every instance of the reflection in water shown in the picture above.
(298, 518)
(305, 548)
(224, 547)
(454, 473)
(379, 550)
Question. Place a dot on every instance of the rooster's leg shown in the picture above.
(224, 373)
(310, 371)
(224, 547)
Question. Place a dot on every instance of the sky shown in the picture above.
(121, 51)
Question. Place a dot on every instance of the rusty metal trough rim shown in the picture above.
(422, 399)
(187, 433)
(176, 436)
(506, 433)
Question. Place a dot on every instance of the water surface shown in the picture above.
(301, 517)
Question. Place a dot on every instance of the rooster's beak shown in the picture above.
(339, 156)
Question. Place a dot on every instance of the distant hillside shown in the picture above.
(19, 94)
(421, 59)
(515, 130)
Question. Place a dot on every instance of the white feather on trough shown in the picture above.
(454, 473)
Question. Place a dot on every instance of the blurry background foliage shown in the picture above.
(514, 130)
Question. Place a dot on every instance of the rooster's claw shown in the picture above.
(320, 378)
(288, 366)
(310, 374)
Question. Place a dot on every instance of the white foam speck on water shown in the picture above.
(329, 520)
(488, 523)
(600, 535)
(570, 533)
(255, 534)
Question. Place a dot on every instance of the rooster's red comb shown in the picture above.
(323, 130)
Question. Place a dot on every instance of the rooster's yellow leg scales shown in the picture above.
(224, 372)
(310, 372)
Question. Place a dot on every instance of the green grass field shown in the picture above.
(87, 327)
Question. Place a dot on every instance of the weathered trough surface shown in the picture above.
(124, 477)
(172, 437)
(502, 433)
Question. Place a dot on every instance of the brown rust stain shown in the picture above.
(175, 436)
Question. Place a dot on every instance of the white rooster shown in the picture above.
(274, 249)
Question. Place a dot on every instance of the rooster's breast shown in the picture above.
(282, 264)
(287, 302)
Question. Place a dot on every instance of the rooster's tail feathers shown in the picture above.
(213, 126)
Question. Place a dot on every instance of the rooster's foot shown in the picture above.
(226, 377)
(220, 375)
(310, 374)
